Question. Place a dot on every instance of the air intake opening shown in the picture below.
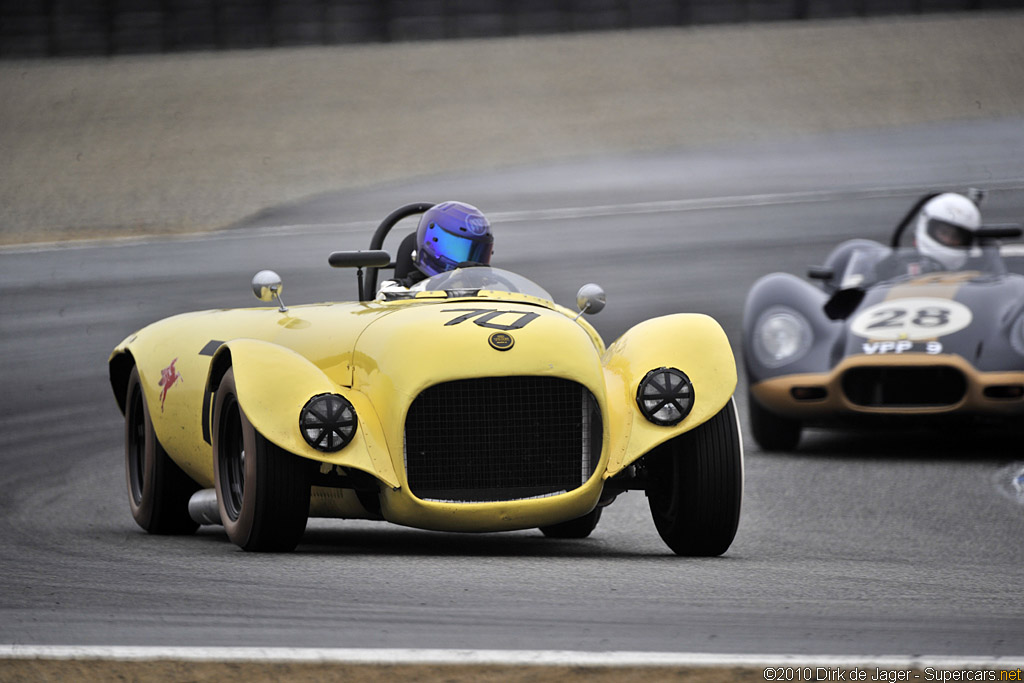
(915, 387)
(1006, 392)
(501, 438)
(808, 393)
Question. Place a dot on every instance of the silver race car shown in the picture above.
(891, 333)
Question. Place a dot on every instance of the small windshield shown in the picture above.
(860, 269)
(469, 281)
(870, 265)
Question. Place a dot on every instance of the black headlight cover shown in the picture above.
(328, 422)
(665, 396)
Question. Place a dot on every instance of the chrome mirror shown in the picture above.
(266, 285)
(590, 299)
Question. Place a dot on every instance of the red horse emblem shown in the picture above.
(168, 376)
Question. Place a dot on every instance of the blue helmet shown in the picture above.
(451, 233)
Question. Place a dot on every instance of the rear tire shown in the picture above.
(581, 527)
(262, 490)
(158, 490)
(696, 485)
(772, 432)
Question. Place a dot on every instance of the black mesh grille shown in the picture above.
(904, 387)
(501, 438)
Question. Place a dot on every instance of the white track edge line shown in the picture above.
(405, 656)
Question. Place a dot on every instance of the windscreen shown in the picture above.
(868, 266)
(468, 281)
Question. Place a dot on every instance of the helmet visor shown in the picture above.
(949, 234)
(457, 249)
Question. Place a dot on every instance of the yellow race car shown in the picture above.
(475, 404)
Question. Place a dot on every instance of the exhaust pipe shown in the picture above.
(203, 508)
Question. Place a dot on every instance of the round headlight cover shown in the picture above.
(781, 336)
(665, 396)
(328, 422)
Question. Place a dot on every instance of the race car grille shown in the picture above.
(896, 387)
(501, 438)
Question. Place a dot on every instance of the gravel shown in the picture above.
(182, 143)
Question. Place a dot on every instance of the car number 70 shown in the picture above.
(484, 317)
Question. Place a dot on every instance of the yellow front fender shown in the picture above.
(273, 385)
(691, 342)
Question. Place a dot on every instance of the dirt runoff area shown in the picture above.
(214, 672)
(172, 143)
(254, 672)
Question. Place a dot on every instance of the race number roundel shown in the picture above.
(914, 319)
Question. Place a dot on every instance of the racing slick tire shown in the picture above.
(696, 485)
(158, 490)
(574, 528)
(772, 432)
(262, 490)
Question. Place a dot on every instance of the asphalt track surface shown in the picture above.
(858, 544)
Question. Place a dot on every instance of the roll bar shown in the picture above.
(914, 210)
(377, 242)
(375, 258)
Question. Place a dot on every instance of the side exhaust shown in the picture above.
(203, 508)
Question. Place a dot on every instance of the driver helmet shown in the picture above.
(945, 228)
(451, 233)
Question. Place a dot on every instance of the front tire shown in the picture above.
(772, 432)
(581, 527)
(262, 490)
(158, 490)
(696, 485)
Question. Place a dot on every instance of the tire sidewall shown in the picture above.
(142, 511)
(693, 515)
(239, 530)
(581, 527)
(667, 499)
(772, 432)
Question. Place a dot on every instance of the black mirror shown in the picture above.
(820, 273)
(998, 232)
(843, 303)
(375, 258)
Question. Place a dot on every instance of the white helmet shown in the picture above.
(945, 228)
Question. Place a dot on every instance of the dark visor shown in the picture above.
(458, 249)
(949, 234)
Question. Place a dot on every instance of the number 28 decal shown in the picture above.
(916, 318)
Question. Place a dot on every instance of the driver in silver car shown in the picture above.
(945, 229)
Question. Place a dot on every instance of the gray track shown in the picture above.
(858, 544)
